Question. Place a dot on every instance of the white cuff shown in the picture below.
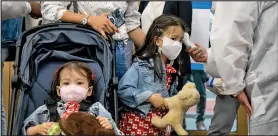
(28, 8)
(210, 67)
(61, 13)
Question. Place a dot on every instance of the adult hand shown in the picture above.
(198, 54)
(43, 128)
(104, 122)
(157, 101)
(102, 24)
(242, 98)
(35, 10)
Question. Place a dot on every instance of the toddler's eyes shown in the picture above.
(80, 83)
(66, 83)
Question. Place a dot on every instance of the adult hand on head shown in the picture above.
(35, 10)
(102, 24)
(198, 54)
(243, 100)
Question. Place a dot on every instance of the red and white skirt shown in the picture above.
(133, 123)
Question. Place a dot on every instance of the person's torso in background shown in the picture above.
(96, 8)
(262, 70)
(11, 30)
(153, 10)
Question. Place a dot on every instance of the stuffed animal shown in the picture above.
(178, 105)
(80, 124)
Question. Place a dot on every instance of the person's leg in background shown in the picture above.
(123, 57)
(225, 111)
(4, 55)
(198, 79)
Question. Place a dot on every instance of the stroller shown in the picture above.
(41, 50)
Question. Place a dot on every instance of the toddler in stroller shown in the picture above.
(40, 51)
(72, 90)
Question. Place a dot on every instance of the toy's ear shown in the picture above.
(104, 132)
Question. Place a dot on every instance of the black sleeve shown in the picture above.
(184, 11)
(142, 6)
(183, 64)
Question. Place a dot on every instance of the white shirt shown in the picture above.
(13, 9)
(153, 10)
(52, 11)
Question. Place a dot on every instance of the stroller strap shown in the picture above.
(52, 107)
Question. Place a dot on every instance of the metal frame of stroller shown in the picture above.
(16, 80)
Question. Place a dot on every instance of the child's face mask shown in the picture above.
(170, 48)
(72, 93)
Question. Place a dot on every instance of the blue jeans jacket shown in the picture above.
(138, 84)
(42, 115)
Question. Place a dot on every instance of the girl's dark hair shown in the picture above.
(80, 68)
(150, 49)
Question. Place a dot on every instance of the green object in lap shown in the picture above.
(54, 130)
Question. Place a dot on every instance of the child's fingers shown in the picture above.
(100, 118)
(107, 127)
(44, 131)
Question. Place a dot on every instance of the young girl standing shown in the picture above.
(150, 78)
(72, 86)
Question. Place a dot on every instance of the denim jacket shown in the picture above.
(138, 84)
(41, 115)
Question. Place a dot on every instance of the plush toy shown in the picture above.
(80, 124)
(178, 105)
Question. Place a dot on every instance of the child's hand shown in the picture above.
(104, 122)
(43, 128)
(157, 101)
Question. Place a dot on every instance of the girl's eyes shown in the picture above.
(175, 39)
(66, 83)
(80, 83)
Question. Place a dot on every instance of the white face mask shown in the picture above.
(170, 48)
(72, 93)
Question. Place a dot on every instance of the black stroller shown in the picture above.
(39, 53)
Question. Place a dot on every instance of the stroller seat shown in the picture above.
(41, 50)
(46, 70)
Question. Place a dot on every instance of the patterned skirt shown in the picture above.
(132, 123)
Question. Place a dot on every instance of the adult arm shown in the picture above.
(132, 21)
(57, 12)
(231, 40)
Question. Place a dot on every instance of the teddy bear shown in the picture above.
(80, 124)
(178, 105)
